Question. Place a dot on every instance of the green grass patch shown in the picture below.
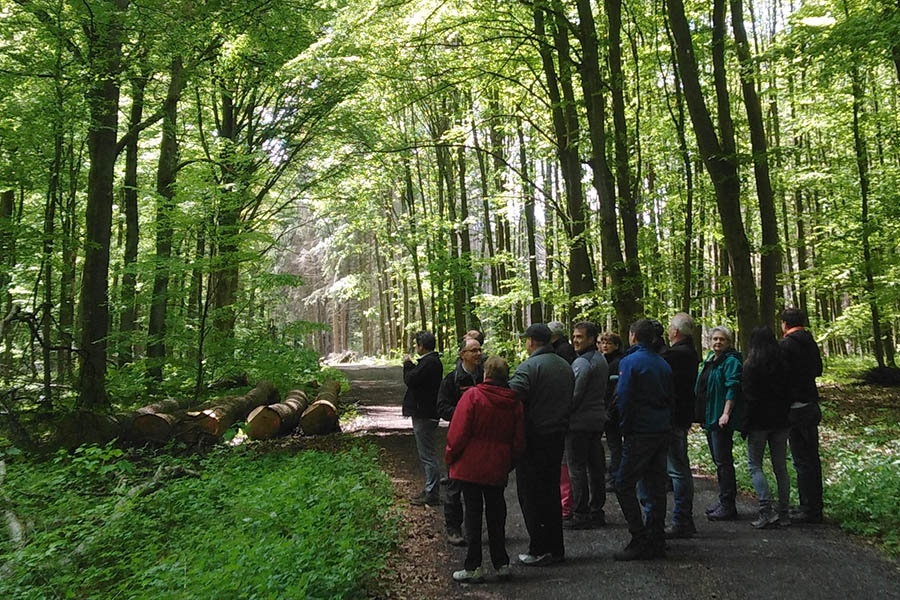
(278, 525)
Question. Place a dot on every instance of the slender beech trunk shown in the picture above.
(413, 245)
(486, 210)
(718, 157)
(626, 292)
(862, 165)
(228, 223)
(7, 262)
(128, 315)
(535, 305)
(165, 188)
(771, 246)
(107, 32)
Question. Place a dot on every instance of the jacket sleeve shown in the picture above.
(731, 373)
(460, 429)
(520, 381)
(582, 370)
(446, 399)
(624, 393)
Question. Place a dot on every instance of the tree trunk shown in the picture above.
(216, 420)
(535, 306)
(277, 419)
(128, 315)
(719, 159)
(103, 99)
(771, 246)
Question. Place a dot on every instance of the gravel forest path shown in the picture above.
(724, 560)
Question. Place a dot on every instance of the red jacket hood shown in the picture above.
(498, 395)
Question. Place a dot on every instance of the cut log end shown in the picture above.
(320, 418)
(264, 423)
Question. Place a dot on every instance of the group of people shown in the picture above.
(547, 420)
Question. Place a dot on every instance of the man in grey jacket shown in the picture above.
(545, 383)
(584, 447)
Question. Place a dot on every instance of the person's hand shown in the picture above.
(407, 358)
(723, 420)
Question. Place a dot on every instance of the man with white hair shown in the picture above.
(560, 341)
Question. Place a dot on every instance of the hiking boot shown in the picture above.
(804, 517)
(455, 538)
(540, 560)
(766, 519)
(680, 531)
(723, 513)
(476, 575)
(598, 519)
(431, 499)
(635, 550)
(504, 573)
(712, 508)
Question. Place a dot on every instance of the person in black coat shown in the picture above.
(560, 342)
(683, 359)
(610, 345)
(420, 402)
(766, 422)
(803, 363)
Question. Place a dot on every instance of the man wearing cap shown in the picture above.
(560, 342)
(545, 383)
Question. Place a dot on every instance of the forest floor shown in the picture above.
(725, 559)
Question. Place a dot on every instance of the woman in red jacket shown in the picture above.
(486, 436)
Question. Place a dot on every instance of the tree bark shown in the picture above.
(277, 419)
(535, 305)
(106, 31)
(165, 188)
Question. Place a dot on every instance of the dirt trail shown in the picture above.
(725, 560)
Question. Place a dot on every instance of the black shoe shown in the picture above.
(723, 513)
(680, 531)
(713, 508)
(635, 550)
(574, 523)
(807, 518)
(598, 519)
(432, 499)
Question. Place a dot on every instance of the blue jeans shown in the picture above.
(721, 444)
(644, 459)
(804, 438)
(424, 429)
(756, 448)
(678, 466)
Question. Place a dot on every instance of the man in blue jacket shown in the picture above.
(646, 396)
(420, 402)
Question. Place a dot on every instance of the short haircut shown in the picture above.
(475, 335)
(465, 343)
(644, 331)
(793, 317)
(612, 338)
(724, 331)
(557, 328)
(496, 369)
(683, 323)
(590, 330)
(426, 340)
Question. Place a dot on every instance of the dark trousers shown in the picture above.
(804, 439)
(453, 505)
(721, 445)
(614, 441)
(537, 484)
(644, 458)
(490, 498)
(587, 470)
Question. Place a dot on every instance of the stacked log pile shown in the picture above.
(214, 421)
(277, 419)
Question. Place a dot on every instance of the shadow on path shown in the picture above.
(725, 559)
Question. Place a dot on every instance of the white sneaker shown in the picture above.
(465, 576)
(535, 561)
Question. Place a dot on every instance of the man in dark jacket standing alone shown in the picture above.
(545, 383)
(645, 404)
(803, 363)
(682, 357)
(420, 402)
(467, 374)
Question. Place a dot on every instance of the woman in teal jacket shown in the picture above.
(719, 387)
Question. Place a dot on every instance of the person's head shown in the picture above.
(584, 336)
(496, 369)
(763, 346)
(425, 342)
(475, 334)
(557, 330)
(536, 335)
(720, 339)
(642, 332)
(609, 342)
(470, 353)
(792, 317)
(680, 327)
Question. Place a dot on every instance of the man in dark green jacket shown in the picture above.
(545, 383)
